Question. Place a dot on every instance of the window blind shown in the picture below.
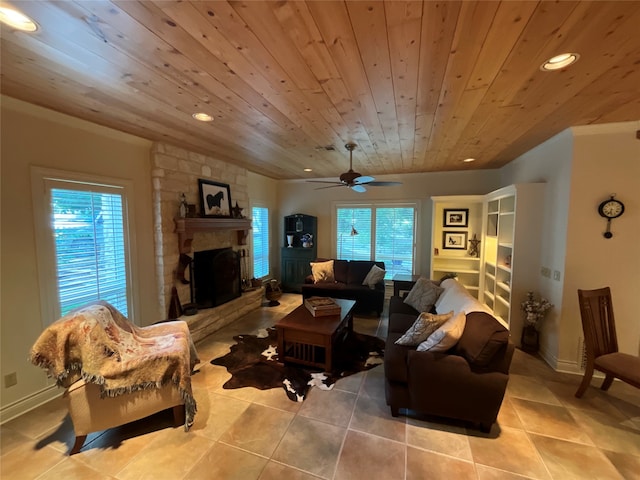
(260, 232)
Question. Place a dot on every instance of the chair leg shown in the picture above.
(608, 380)
(78, 445)
(586, 381)
(179, 415)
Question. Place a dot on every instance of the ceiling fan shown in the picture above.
(354, 180)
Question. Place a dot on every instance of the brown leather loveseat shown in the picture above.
(467, 382)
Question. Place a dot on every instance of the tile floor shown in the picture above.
(543, 431)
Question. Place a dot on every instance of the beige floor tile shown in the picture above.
(369, 457)
(507, 416)
(311, 446)
(41, 419)
(423, 465)
(330, 406)
(528, 388)
(593, 399)
(352, 383)
(10, 439)
(169, 456)
(511, 451)
(489, 473)
(551, 420)
(209, 377)
(216, 413)
(372, 415)
(27, 462)
(72, 469)
(608, 432)
(569, 461)
(228, 463)
(276, 471)
(627, 465)
(441, 438)
(374, 382)
(259, 429)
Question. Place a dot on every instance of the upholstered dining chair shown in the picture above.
(598, 325)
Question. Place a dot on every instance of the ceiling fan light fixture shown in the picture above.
(559, 62)
(308, 170)
(469, 160)
(202, 117)
(17, 20)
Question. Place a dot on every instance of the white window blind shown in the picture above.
(260, 232)
(381, 233)
(90, 252)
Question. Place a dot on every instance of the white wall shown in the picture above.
(33, 136)
(582, 166)
(303, 197)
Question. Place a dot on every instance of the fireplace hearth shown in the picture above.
(216, 277)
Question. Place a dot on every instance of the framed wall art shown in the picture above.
(456, 217)
(454, 240)
(215, 199)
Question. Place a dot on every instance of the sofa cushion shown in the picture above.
(423, 295)
(483, 336)
(322, 272)
(341, 270)
(375, 275)
(446, 336)
(425, 325)
(457, 298)
(395, 358)
(358, 270)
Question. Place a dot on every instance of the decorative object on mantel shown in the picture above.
(474, 243)
(183, 205)
(534, 310)
(236, 212)
(215, 199)
(307, 240)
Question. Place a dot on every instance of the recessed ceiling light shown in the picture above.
(469, 160)
(308, 169)
(559, 61)
(17, 20)
(202, 117)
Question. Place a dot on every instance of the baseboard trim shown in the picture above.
(29, 402)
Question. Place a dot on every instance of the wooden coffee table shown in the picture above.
(313, 341)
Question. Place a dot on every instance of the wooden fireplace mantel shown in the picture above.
(186, 227)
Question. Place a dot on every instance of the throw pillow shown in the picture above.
(446, 336)
(322, 272)
(423, 295)
(425, 325)
(375, 275)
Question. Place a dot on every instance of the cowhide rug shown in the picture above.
(253, 362)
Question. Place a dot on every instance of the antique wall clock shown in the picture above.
(610, 209)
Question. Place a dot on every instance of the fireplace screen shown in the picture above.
(216, 277)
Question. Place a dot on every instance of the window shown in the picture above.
(388, 231)
(260, 232)
(83, 246)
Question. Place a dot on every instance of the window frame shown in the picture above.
(374, 205)
(269, 239)
(41, 181)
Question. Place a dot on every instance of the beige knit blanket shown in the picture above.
(97, 343)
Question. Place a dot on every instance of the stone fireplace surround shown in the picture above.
(175, 171)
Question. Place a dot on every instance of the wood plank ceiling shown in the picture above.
(419, 86)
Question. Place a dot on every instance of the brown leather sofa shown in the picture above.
(467, 382)
(349, 275)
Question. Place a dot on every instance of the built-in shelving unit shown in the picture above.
(296, 260)
(186, 227)
(457, 260)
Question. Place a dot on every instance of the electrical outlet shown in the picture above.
(556, 275)
(10, 380)
(545, 272)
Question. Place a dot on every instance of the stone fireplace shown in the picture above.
(176, 171)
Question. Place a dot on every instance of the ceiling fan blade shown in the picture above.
(331, 186)
(363, 179)
(325, 181)
(384, 184)
(358, 188)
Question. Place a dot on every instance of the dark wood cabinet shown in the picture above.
(296, 259)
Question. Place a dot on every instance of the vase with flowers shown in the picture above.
(307, 240)
(535, 311)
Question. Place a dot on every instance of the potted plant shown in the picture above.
(535, 311)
